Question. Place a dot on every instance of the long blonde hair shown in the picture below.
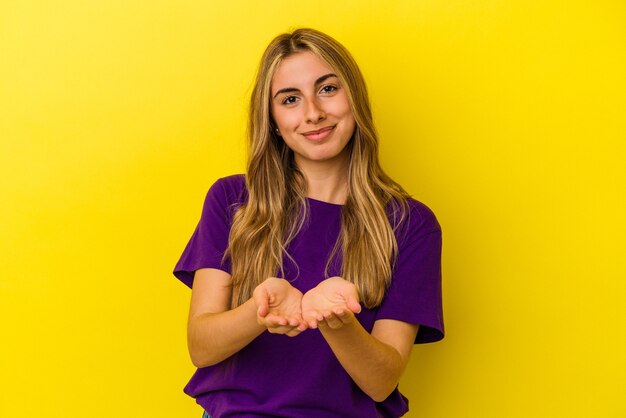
(276, 208)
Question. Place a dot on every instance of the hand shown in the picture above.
(279, 307)
(332, 303)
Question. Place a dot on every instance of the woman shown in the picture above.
(314, 274)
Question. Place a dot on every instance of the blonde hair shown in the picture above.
(276, 208)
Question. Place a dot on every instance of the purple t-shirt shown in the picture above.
(292, 377)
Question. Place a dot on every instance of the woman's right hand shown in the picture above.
(279, 307)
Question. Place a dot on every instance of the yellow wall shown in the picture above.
(507, 117)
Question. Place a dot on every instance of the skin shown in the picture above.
(307, 96)
(310, 108)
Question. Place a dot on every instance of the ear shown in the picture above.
(274, 128)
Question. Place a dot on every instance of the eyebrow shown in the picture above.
(319, 80)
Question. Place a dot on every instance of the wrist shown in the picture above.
(251, 311)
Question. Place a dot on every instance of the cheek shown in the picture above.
(341, 108)
(348, 116)
(285, 119)
(351, 126)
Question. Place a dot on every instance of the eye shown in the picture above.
(328, 89)
(289, 100)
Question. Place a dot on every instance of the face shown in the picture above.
(311, 110)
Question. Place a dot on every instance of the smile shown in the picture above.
(319, 134)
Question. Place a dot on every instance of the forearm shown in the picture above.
(373, 365)
(213, 337)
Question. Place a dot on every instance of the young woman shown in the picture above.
(314, 274)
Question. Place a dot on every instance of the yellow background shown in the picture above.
(508, 118)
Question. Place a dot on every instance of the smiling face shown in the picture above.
(311, 110)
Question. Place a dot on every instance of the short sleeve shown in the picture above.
(209, 241)
(414, 295)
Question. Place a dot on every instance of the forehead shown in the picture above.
(300, 69)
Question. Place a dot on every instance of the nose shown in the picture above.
(314, 112)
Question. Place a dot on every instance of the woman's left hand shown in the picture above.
(331, 303)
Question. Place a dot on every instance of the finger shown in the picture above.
(294, 332)
(339, 311)
(280, 330)
(344, 315)
(276, 320)
(329, 323)
(294, 321)
(331, 319)
(353, 304)
(312, 317)
(317, 318)
(275, 326)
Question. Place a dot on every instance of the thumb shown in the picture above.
(261, 298)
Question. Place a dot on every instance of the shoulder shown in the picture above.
(418, 220)
(227, 191)
(422, 217)
(224, 197)
(234, 185)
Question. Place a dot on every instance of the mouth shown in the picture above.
(318, 134)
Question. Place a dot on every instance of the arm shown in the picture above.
(374, 361)
(211, 336)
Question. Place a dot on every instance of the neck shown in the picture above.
(327, 181)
